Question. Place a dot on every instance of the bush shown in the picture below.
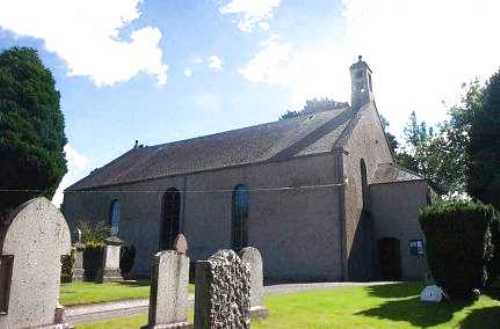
(93, 233)
(127, 258)
(92, 261)
(458, 244)
(494, 264)
(67, 267)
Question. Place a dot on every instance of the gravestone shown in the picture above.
(253, 258)
(78, 270)
(222, 296)
(32, 242)
(168, 300)
(111, 261)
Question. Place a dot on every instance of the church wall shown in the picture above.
(366, 141)
(296, 230)
(395, 208)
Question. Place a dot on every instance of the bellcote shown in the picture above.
(361, 84)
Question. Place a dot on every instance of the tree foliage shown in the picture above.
(483, 151)
(313, 106)
(31, 129)
(391, 139)
(458, 244)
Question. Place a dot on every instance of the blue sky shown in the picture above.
(163, 70)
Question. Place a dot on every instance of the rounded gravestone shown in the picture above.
(36, 238)
(253, 258)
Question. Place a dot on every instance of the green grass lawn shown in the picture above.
(80, 293)
(388, 306)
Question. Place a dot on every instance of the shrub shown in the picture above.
(93, 233)
(494, 264)
(92, 261)
(67, 267)
(127, 258)
(458, 244)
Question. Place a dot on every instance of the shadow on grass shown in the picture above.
(397, 290)
(412, 310)
(483, 318)
(494, 293)
(135, 283)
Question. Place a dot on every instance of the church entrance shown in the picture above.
(389, 259)
(170, 227)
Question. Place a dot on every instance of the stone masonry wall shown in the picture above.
(367, 141)
(281, 224)
(395, 209)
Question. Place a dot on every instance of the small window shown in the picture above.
(240, 216)
(171, 218)
(114, 217)
(364, 183)
(6, 263)
(416, 247)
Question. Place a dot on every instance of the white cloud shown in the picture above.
(188, 73)
(215, 63)
(75, 159)
(251, 12)
(306, 72)
(420, 51)
(86, 35)
(78, 165)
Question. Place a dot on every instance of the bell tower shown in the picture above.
(361, 84)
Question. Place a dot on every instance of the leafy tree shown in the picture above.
(393, 143)
(436, 156)
(313, 106)
(32, 139)
(289, 114)
(483, 173)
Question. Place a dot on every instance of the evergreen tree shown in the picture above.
(483, 173)
(32, 139)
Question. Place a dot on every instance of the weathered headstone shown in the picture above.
(253, 258)
(31, 245)
(168, 300)
(111, 261)
(78, 270)
(222, 296)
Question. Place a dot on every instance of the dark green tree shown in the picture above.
(483, 172)
(313, 106)
(436, 156)
(32, 139)
(391, 139)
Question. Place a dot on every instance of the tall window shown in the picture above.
(114, 217)
(170, 227)
(364, 183)
(240, 216)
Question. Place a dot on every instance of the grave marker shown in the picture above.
(222, 292)
(168, 301)
(253, 258)
(31, 245)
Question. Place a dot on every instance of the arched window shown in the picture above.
(114, 217)
(170, 226)
(364, 183)
(239, 217)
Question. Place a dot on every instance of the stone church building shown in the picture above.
(319, 196)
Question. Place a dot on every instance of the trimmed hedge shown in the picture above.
(458, 244)
(494, 264)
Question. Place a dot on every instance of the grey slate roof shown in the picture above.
(281, 140)
(390, 173)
